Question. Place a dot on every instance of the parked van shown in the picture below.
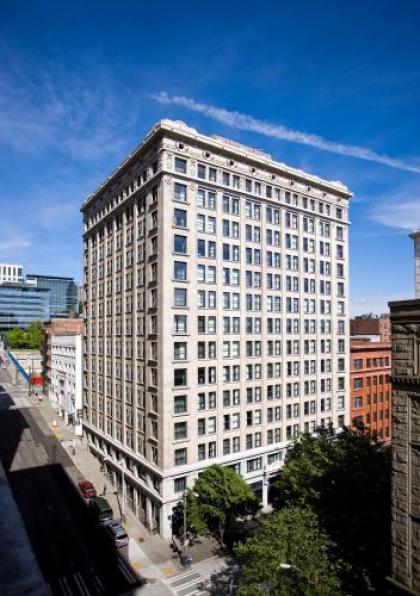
(101, 509)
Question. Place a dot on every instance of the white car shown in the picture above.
(116, 532)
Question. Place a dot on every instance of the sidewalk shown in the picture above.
(148, 554)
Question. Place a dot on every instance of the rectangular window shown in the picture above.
(180, 165)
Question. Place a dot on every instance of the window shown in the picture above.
(180, 456)
(180, 404)
(180, 270)
(201, 171)
(358, 383)
(180, 351)
(253, 464)
(180, 192)
(180, 218)
(180, 297)
(180, 377)
(180, 484)
(180, 244)
(180, 324)
(180, 165)
(180, 430)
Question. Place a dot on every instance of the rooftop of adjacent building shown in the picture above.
(21, 285)
(227, 147)
(48, 277)
(369, 346)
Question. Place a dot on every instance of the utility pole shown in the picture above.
(185, 520)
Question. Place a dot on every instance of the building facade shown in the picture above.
(371, 391)
(51, 329)
(373, 328)
(405, 319)
(64, 294)
(10, 273)
(21, 304)
(216, 305)
(65, 391)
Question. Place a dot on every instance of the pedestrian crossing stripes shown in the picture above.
(187, 583)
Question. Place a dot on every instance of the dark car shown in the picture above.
(116, 532)
(87, 489)
(101, 509)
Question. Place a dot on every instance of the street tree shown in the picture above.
(289, 555)
(16, 338)
(34, 335)
(345, 479)
(219, 498)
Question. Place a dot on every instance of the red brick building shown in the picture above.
(369, 327)
(371, 391)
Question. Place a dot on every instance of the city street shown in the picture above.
(74, 556)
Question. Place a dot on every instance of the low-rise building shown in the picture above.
(62, 367)
(65, 391)
(373, 328)
(371, 390)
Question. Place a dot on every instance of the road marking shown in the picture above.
(96, 579)
(64, 585)
(81, 584)
(126, 571)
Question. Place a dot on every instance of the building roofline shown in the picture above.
(30, 275)
(225, 145)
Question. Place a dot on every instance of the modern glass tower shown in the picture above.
(63, 294)
(21, 304)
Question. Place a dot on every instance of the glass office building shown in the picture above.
(64, 294)
(21, 304)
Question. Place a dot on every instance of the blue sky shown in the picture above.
(80, 85)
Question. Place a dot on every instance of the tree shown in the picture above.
(345, 479)
(15, 338)
(34, 335)
(289, 555)
(218, 498)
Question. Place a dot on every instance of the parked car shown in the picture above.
(87, 489)
(101, 509)
(116, 532)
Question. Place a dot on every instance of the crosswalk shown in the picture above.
(187, 583)
(88, 582)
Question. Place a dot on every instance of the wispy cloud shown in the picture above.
(398, 208)
(59, 111)
(14, 243)
(277, 131)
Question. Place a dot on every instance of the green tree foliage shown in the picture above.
(31, 338)
(218, 498)
(16, 338)
(34, 334)
(345, 480)
(291, 537)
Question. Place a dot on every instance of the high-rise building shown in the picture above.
(21, 304)
(10, 273)
(371, 391)
(216, 287)
(416, 239)
(405, 547)
(64, 293)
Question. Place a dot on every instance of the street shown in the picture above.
(74, 555)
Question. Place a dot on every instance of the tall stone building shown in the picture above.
(405, 319)
(216, 288)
